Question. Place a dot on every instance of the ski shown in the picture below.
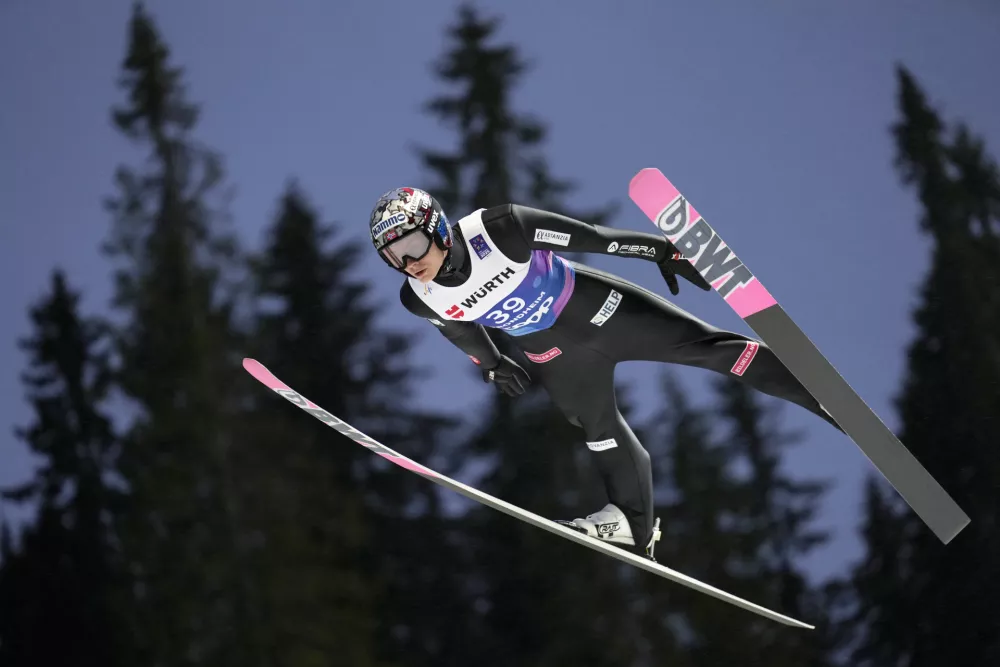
(701, 245)
(269, 380)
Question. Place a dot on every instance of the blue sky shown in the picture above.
(772, 117)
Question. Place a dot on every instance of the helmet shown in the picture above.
(404, 223)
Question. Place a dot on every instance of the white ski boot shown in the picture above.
(611, 525)
(608, 525)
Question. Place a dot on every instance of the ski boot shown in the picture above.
(611, 525)
(607, 525)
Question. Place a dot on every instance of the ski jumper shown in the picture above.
(575, 324)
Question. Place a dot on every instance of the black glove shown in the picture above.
(510, 378)
(673, 264)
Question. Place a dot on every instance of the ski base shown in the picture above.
(676, 219)
(269, 380)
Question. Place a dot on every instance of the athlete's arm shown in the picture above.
(520, 229)
(469, 337)
(545, 230)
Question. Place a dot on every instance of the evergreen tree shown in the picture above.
(772, 524)
(922, 602)
(499, 158)
(195, 602)
(696, 499)
(733, 519)
(340, 591)
(299, 493)
(59, 589)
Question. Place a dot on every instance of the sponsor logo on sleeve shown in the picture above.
(551, 237)
(635, 251)
(749, 352)
(544, 356)
(608, 309)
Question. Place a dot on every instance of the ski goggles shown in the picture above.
(414, 245)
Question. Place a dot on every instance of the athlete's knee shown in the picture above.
(614, 433)
(573, 416)
(595, 421)
(599, 424)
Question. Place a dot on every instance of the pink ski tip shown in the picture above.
(652, 192)
(642, 175)
(258, 370)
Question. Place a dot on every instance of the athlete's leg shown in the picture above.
(645, 326)
(581, 384)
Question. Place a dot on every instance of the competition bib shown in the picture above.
(517, 297)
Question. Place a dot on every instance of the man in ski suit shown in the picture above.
(497, 268)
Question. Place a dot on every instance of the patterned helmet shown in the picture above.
(403, 224)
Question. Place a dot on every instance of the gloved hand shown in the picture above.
(510, 378)
(673, 264)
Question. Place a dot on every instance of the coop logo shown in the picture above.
(702, 246)
(456, 311)
(749, 352)
(388, 224)
(608, 309)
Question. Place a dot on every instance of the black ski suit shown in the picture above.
(634, 324)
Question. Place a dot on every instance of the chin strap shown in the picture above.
(454, 256)
(446, 267)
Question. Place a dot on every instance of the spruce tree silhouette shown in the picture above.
(61, 586)
(919, 602)
(175, 263)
